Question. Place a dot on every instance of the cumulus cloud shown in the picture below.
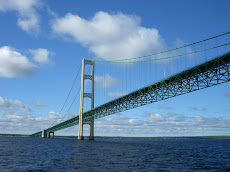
(226, 93)
(162, 125)
(16, 118)
(110, 36)
(14, 64)
(163, 106)
(13, 105)
(122, 125)
(41, 55)
(28, 18)
(53, 115)
(115, 94)
(169, 117)
(156, 117)
(198, 109)
(20, 123)
(105, 81)
(38, 104)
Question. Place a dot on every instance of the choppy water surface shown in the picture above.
(37, 154)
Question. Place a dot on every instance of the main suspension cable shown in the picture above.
(149, 55)
(168, 57)
(68, 94)
(74, 98)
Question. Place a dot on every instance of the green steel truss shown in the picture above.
(213, 72)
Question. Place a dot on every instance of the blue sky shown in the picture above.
(43, 42)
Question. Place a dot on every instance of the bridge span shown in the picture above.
(208, 74)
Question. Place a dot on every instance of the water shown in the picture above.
(37, 154)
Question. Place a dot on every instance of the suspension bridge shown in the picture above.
(148, 79)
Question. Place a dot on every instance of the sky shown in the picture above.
(43, 42)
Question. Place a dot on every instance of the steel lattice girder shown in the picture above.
(213, 72)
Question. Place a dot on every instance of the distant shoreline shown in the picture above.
(14, 135)
(118, 137)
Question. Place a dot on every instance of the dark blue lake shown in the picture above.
(37, 154)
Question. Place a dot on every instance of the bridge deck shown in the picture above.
(210, 73)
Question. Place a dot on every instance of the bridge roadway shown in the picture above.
(210, 73)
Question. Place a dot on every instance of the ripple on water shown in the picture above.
(36, 154)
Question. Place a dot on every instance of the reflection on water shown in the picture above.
(37, 154)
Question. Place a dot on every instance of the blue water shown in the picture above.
(37, 154)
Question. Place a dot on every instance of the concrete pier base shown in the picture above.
(91, 137)
(80, 137)
(44, 134)
(49, 134)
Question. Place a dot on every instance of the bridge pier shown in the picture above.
(91, 136)
(49, 134)
(89, 95)
(44, 134)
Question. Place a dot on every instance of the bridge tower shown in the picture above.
(89, 95)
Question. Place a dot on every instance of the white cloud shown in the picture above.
(169, 117)
(53, 115)
(121, 125)
(162, 125)
(20, 123)
(14, 64)
(198, 119)
(39, 104)
(12, 105)
(115, 94)
(226, 93)
(28, 18)
(163, 106)
(198, 109)
(41, 55)
(156, 117)
(110, 37)
(105, 81)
